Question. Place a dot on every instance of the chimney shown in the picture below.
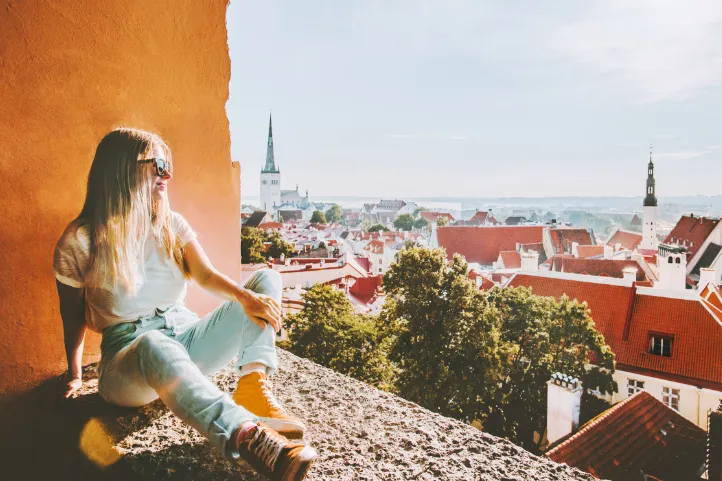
(629, 273)
(608, 251)
(706, 276)
(529, 261)
(564, 397)
(672, 267)
(714, 445)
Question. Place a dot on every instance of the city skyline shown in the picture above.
(469, 100)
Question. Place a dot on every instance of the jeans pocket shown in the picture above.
(117, 335)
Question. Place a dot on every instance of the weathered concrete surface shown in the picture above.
(360, 433)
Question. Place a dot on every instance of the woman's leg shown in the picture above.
(214, 340)
(156, 365)
(226, 331)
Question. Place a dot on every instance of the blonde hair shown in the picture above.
(120, 211)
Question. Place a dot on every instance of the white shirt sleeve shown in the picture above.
(182, 229)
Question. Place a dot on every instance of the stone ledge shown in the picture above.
(360, 433)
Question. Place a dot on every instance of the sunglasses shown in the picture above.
(161, 166)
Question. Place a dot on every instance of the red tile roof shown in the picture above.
(375, 247)
(589, 251)
(485, 282)
(364, 262)
(616, 307)
(562, 238)
(366, 288)
(595, 267)
(639, 434)
(431, 216)
(691, 232)
(628, 240)
(323, 275)
(271, 225)
(511, 259)
(479, 217)
(483, 244)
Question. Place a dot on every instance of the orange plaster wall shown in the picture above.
(71, 71)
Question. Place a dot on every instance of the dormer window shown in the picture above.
(660, 345)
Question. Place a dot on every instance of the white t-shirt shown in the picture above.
(162, 283)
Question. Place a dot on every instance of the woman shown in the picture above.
(122, 267)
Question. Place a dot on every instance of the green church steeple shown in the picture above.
(270, 167)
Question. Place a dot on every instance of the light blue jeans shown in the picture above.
(171, 353)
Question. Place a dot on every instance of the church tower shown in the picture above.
(649, 227)
(270, 177)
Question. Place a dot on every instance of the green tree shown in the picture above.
(404, 222)
(328, 332)
(541, 336)
(410, 244)
(252, 245)
(442, 221)
(334, 214)
(421, 223)
(444, 336)
(486, 356)
(418, 210)
(253, 250)
(378, 227)
(279, 245)
(318, 217)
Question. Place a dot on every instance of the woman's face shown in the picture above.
(159, 187)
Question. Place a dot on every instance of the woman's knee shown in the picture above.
(265, 281)
(154, 346)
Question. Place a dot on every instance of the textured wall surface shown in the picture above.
(70, 72)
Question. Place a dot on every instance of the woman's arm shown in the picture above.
(259, 308)
(72, 311)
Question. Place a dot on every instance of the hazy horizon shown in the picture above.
(473, 99)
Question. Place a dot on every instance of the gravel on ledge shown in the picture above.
(360, 433)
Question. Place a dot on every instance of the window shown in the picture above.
(670, 397)
(634, 386)
(660, 345)
(671, 260)
(677, 260)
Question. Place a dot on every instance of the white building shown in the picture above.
(649, 225)
(272, 197)
(270, 177)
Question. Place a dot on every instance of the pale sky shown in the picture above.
(478, 98)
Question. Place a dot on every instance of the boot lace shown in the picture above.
(267, 390)
(267, 446)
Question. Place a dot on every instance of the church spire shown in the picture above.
(651, 199)
(270, 166)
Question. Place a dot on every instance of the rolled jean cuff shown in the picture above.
(223, 428)
(261, 354)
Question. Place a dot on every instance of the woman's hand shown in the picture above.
(72, 386)
(261, 309)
